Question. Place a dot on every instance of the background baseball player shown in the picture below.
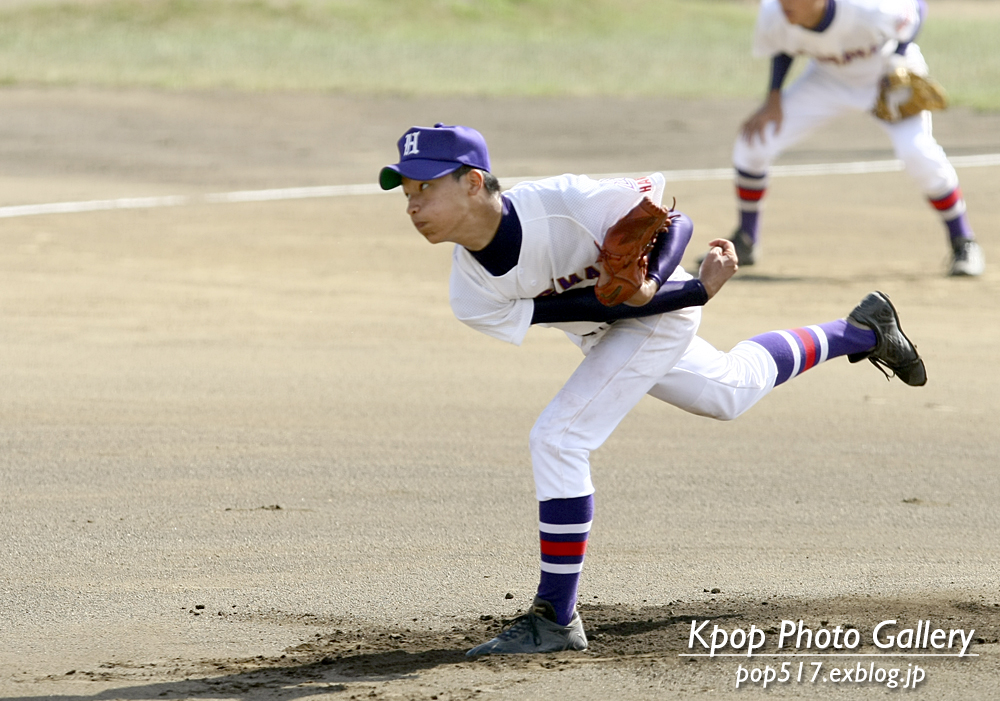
(853, 45)
(531, 256)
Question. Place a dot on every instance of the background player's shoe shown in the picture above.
(747, 250)
(968, 259)
(893, 349)
(535, 631)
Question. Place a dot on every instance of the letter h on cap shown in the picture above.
(410, 145)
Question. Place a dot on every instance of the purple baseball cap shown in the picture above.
(426, 153)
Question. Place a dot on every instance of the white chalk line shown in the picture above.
(297, 193)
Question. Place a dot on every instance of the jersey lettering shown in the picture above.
(640, 185)
(410, 145)
(568, 282)
(848, 56)
(591, 273)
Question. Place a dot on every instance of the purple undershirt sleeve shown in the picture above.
(582, 305)
(669, 248)
(780, 64)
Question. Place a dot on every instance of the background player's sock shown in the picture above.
(951, 207)
(564, 526)
(750, 190)
(796, 350)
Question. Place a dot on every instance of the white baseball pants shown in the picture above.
(815, 99)
(660, 356)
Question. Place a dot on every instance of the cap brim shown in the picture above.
(389, 178)
(415, 169)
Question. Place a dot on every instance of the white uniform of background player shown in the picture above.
(530, 256)
(852, 48)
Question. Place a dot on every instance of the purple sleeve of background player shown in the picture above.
(664, 257)
(779, 70)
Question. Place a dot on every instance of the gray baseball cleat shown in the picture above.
(747, 250)
(535, 631)
(967, 259)
(893, 350)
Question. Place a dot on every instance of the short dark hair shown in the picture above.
(490, 181)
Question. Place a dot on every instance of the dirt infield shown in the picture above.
(248, 453)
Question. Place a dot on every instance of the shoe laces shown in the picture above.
(518, 624)
(883, 367)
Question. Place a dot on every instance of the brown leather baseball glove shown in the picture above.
(623, 255)
(904, 93)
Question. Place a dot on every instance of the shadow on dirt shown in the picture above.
(349, 658)
(261, 678)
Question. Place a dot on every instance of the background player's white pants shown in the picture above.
(660, 356)
(815, 99)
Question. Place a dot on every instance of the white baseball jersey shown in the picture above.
(854, 49)
(563, 221)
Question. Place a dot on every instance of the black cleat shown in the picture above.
(893, 350)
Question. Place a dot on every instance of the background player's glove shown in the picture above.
(623, 255)
(904, 93)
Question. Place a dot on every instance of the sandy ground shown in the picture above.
(246, 452)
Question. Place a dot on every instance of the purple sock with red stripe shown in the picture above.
(796, 350)
(951, 207)
(564, 526)
(750, 191)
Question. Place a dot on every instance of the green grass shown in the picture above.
(683, 48)
(964, 57)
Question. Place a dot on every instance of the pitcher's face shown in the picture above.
(437, 207)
